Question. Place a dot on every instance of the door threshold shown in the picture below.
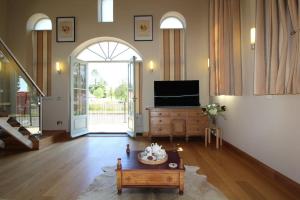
(107, 134)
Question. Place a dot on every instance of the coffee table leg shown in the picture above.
(181, 184)
(119, 176)
(181, 177)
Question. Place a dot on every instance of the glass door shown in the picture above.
(131, 98)
(79, 105)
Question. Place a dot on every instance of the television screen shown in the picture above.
(176, 93)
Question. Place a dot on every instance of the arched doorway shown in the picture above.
(105, 84)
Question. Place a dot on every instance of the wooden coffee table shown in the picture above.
(133, 174)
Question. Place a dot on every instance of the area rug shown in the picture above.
(196, 188)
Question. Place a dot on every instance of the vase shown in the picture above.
(212, 121)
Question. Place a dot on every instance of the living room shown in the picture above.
(259, 130)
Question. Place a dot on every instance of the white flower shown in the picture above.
(213, 111)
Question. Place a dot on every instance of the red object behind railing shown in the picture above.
(23, 103)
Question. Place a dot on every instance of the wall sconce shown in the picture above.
(252, 38)
(151, 66)
(58, 67)
(208, 63)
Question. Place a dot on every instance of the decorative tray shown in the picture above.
(152, 162)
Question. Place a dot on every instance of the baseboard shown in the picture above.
(145, 134)
(266, 170)
(54, 131)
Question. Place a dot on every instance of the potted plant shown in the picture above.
(212, 111)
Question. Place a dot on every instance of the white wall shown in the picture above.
(3, 19)
(265, 127)
(56, 107)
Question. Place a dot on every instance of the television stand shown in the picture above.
(176, 122)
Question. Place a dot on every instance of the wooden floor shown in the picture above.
(63, 170)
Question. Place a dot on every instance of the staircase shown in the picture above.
(15, 136)
(20, 104)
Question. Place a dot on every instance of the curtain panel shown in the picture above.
(277, 53)
(225, 48)
(41, 42)
(173, 54)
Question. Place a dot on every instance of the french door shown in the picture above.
(79, 104)
(131, 98)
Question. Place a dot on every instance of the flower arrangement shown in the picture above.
(213, 110)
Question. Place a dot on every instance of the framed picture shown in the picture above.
(143, 28)
(65, 29)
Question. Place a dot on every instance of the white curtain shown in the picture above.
(42, 65)
(225, 48)
(173, 54)
(277, 62)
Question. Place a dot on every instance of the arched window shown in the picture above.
(43, 25)
(173, 27)
(39, 22)
(40, 27)
(172, 20)
(108, 51)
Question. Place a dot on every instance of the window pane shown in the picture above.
(108, 51)
(43, 24)
(107, 10)
(87, 55)
(171, 23)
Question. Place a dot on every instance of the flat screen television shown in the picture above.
(176, 93)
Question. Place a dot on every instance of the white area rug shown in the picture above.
(196, 187)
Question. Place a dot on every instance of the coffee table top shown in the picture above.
(130, 162)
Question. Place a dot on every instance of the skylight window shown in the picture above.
(43, 25)
(105, 10)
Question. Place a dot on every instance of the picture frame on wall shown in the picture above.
(143, 28)
(65, 29)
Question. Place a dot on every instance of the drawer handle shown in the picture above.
(159, 113)
(160, 120)
(160, 129)
(169, 178)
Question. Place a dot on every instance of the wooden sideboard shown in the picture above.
(176, 121)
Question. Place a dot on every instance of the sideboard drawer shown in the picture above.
(178, 115)
(160, 130)
(195, 114)
(195, 130)
(159, 114)
(194, 120)
(160, 120)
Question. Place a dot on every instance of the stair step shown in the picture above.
(4, 135)
(16, 135)
(24, 131)
(51, 137)
(13, 122)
